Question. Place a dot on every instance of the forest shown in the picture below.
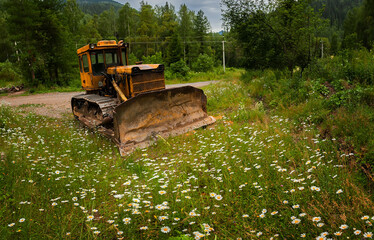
(39, 38)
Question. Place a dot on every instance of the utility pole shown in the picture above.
(223, 56)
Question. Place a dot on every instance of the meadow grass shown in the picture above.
(216, 74)
(254, 174)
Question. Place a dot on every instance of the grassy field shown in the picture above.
(254, 174)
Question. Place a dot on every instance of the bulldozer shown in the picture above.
(129, 103)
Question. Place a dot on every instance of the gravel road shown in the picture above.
(57, 104)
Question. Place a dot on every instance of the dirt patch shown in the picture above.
(57, 105)
(54, 105)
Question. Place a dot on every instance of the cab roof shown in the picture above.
(104, 44)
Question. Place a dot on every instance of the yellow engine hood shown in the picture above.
(133, 68)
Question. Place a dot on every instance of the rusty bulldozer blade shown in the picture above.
(141, 119)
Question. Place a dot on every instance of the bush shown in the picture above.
(154, 59)
(9, 74)
(203, 63)
(179, 69)
(132, 59)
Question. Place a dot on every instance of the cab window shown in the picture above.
(97, 62)
(85, 63)
(111, 59)
(123, 52)
(80, 64)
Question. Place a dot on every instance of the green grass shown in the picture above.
(216, 74)
(251, 174)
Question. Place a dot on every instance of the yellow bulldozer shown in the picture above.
(130, 103)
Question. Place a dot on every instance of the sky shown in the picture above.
(211, 8)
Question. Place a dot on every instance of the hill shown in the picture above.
(336, 10)
(97, 6)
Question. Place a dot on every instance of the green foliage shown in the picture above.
(203, 63)
(276, 35)
(179, 69)
(132, 59)
(127, 22)
(46, 54)
(335, 11)
(360, 24)
(175, 50)
(9, 74)
(154, 59)
(336, 93)
(93, 7)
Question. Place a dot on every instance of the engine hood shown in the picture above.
(133, 69)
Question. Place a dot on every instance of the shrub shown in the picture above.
(132, 59)
(154, 59)
(203, 63)
(9, 73)
(179, 69)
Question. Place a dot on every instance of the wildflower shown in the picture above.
(120, 232)
(357, 232)
(96, 232)
(259, 234)
(295, 206)
(264, 211)
(285, 202)
(296, 221)
(126, 220)
(11, 224)
(320, 238)
(68, 234)
(320, 224)
(212, 194)
(303, 235)
(339, 191)
(245, 215)
(110, 221)
(74, 199)
(165, 229)
(274, 212)
(218, 197)
(368, 235)
(177, 219)
(21, 220)
(366, 217)
(338, 233)
(324, 234)
(54, 204)
(144, 228)
(344, 226)
(161, 218)
(162, 192)
(90, 217)
(262, 215)
(302, 214)
(316, 219)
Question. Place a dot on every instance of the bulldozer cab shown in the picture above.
(95, 59)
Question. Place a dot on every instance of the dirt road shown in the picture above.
(57, 105)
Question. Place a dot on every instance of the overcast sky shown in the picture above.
(211, 8)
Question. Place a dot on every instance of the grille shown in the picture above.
(147, 81)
